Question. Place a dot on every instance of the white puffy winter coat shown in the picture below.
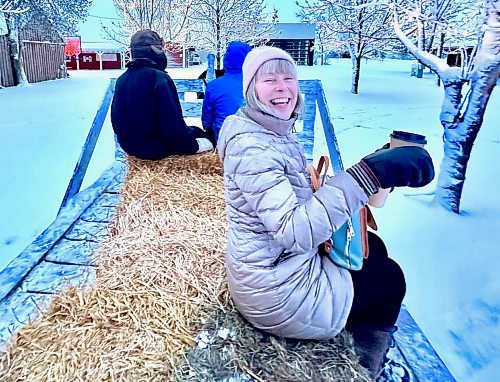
(277, 279)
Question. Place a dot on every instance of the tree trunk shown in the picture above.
(440, 54)
(218, 39)
(356, 68)
(460, 132)
(459, 137)
(16, 49)
(218, 60)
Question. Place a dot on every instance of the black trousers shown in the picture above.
(379, 289)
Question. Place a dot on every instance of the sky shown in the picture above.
(450, 261)
(102, 10)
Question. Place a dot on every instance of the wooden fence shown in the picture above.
(42, 50)
(43, 60)
(6, 74)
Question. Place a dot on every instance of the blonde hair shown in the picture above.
(279, 66)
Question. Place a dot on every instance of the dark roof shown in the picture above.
(293, 31)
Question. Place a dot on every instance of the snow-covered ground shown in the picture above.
(42, 130)
(449, 260)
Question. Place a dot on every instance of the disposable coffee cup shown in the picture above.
(403, 138)
(398, 139)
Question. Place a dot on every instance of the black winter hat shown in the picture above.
(143, 42)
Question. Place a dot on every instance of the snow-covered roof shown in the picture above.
(457, 43)
(294, 31)
(102, 46)
(3, 25)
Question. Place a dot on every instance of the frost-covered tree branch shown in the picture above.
(13, 6)
(63, 15)
(218, 22)
(169, 18)
(436, 64)
(360, 27)
(463, 108)
(461, 127)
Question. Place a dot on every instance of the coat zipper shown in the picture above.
(350, 235)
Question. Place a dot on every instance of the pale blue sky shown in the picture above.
(91, 29)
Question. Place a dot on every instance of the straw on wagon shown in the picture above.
(159, 309)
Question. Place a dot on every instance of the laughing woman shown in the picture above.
(277, 278)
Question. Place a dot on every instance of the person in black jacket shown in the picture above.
(146, 113)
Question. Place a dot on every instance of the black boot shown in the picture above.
(393, 371)
(372, 344)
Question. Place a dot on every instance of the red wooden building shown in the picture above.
(97, 56)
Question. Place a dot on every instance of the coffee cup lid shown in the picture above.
(409, 137)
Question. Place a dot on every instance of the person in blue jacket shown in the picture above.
(146, 113)
(224, 95)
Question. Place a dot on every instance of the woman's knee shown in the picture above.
(394, 274)
(376, 246)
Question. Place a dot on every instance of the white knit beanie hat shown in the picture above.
(257, 57)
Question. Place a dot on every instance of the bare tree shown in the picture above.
(12, 6)
(13, 10)
(454, 20)
(464, 106)
(64, 16)
(218, 22)
(169, 18)
(467, 89)
(349, 25)
(436, 24)
(308, 14)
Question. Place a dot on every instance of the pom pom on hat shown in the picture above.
(259, 56)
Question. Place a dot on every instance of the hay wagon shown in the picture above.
(147, 306)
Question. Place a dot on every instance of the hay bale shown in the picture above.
(160, 280)
(230, 346)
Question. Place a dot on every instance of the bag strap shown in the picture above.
(315, 184)
(323, 161)
(318, 174)
(370, 219)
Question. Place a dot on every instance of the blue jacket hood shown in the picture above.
(235, 55)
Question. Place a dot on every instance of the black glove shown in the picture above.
(401, 166)
(210, 135)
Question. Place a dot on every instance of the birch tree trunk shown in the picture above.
(460, 130)
(460, 133)
(15, 46)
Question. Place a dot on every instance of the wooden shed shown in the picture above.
(297, 39)
(42, 52)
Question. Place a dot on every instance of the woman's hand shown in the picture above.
(397, 167)
(409, 166)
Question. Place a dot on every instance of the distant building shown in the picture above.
(453, 54)
(102, 55)
(297, 39)
(98, 56)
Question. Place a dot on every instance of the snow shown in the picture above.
(449, 260)
(42, 130)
